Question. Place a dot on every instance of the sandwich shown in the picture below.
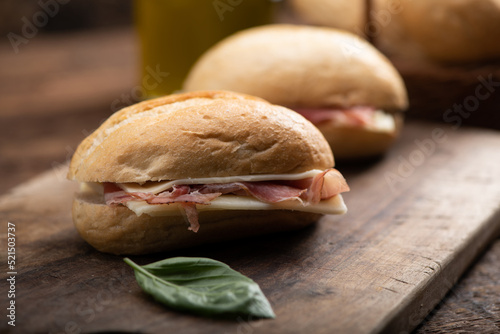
(335, 79)
(193, 168)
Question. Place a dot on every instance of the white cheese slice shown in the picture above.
(334, 205)
(383, 122)
(158, 187)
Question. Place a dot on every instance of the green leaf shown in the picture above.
(202, 286)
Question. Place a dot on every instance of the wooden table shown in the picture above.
(57, 89)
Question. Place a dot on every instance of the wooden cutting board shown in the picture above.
(417, 219)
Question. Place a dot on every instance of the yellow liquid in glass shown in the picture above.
(174, 33)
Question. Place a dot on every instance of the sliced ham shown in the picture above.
(333, 184)
(263, 191)
(195, 198)
(177, 190)
(356, 116)
(271, 192)
(310, 191)
(191, 215)
(323, 186)
(114, 195)
(313, 193)
(223, 188)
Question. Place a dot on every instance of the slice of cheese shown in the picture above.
(158, 187)
(334, 205)
(383, 122)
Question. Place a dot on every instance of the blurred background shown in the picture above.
(71, 15)
(63, 58)
(66, 65)
(83, 59)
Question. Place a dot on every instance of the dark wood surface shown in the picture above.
(389, 260)
(58, 89)
(459, 95)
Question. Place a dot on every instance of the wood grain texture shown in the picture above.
(473, 305)
(55, 91)
(40, 128)
(380, 268)
(467, 94)
(78, 71)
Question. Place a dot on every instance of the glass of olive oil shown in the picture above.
(174, 33)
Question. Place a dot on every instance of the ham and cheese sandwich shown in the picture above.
(199, 167)
(337, 80)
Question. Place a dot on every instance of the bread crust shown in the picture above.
(200, 134)
(118, 230)
(350, 143)
(301, 66)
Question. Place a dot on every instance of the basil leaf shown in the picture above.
(202, 286)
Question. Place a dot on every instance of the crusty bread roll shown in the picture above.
(304, 67)
(209, 136)
(446, 31)
(197, 135)
(348, 15)
(118, 230)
